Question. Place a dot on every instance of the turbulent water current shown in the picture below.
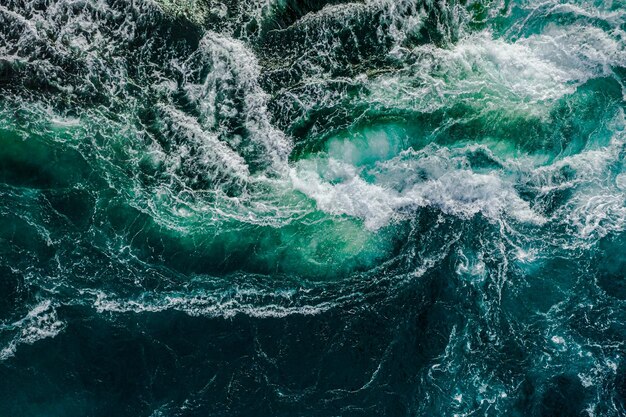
(312, 208)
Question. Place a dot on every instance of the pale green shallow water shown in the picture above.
(379, 208)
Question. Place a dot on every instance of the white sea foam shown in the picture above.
(40, 323)
(211, 305)
(597, 205)
(233, 68)
(201, 149)
(486, 71)
(404, 17)
(443, 182)
(526, 76)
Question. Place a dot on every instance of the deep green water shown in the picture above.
(312, 208)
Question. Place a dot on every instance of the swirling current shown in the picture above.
(312, 208)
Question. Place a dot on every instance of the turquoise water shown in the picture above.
(312, 208)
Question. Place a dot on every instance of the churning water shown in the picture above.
(312, 208)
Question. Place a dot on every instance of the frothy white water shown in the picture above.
(221, 82)
(444, 178)
(200, 150)
(40, 323)
(492, 73)
(211, 305)
(233, 71)
(401, 18)
(434, 176)
(524, 78)
(599, 205)
(233, 16)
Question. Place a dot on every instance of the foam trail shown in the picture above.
(40, 323)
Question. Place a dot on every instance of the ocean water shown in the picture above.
(312, 208)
